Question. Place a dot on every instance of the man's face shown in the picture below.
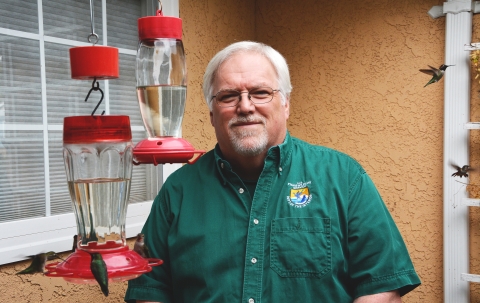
(248, 129)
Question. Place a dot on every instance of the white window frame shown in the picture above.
(21, 238)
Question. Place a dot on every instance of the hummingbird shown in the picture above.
(93, 234)
(38, 263)
(75, 243)
(436, 74)
(140, 247)
(461, 171)
(99, 271)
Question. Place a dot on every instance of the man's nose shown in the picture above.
(245, 104)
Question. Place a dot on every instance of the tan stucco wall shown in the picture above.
(209, 25)
(357, 88)
(475, 177)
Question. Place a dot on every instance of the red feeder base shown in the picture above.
(162, 150)
(122, 265)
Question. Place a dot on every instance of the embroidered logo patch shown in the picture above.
(299, 194)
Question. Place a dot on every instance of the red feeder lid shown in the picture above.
(161, 150)
(159, 26)
(88, 62)
(93, 129)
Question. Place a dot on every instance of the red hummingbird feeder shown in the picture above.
(98, 155)
(161, 91)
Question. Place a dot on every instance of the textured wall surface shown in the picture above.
(475, 176)
(208, 26)
(357, 89)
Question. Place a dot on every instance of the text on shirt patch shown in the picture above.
(299, 194)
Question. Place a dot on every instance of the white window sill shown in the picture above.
(22, 238)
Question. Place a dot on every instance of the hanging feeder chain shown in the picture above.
(95, 88)
(160, 7)
(92, 23)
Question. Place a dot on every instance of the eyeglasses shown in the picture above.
(231, 97)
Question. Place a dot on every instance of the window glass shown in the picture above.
(123, 98)
(22, 17)
(20, 82)
(59, 195)
(122, 17)
(70, 19)
(138, 190)
(35, 99)
(22, 177)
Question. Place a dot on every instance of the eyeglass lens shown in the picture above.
(257, 95)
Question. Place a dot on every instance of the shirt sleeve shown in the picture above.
(378, 257)
(155, 285)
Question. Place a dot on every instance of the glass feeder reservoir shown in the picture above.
(98, 155)
(98, 162)
(161, 91)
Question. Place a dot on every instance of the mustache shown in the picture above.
(247, 119)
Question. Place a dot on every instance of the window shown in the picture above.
(36, 92)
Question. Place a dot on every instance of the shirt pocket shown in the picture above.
(300, 247)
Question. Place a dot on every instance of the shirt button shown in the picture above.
(241, 190)
(254, 260)
(221, 165)
(255, 221)
(251, 300)
(279, 169)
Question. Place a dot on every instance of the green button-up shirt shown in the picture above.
(315, 229)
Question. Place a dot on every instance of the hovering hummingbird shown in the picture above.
(436, 73)
(461, 171)
(99, 271)
(38, 263)
(140, 247)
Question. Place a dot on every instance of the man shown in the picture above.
(265, 217)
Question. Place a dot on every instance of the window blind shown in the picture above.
(21, 16)
(35, 99)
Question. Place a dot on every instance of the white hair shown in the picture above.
(278, 61)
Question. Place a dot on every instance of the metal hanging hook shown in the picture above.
(90, 37)
(95, 88)
(92, 23)
(160, 5)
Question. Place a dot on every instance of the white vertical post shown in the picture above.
(457, 113)
(171, 8)
(105, 42)
(43, 79)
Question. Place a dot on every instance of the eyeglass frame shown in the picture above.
(240, 96)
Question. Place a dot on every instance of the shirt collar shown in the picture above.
(280, 153)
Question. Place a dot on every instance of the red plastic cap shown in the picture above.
(88, 62)
(94, 129)
(157, 27)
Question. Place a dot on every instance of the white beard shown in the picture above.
(248, 142)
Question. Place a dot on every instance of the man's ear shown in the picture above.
(287, 108)
(211, 118)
